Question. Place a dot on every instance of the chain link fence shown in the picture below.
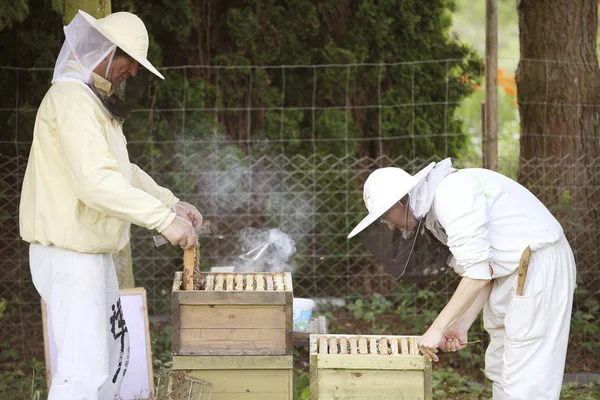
(316, 200)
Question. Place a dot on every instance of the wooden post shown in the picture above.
(490, 133)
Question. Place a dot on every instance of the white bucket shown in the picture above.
(302, 313)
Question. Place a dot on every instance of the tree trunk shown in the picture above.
(558, 83)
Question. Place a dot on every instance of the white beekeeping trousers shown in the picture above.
(529, 334)
(89, 328)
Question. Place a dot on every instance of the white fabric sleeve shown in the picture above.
(461, 208)
(141, 180)
(94, 171)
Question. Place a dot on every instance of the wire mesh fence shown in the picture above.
(317, 201)
(286, 147)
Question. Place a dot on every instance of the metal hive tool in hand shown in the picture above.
(177, 385)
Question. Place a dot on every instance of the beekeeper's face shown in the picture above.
(399, 216)
(122, 68)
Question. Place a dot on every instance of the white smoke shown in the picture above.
(267, 249)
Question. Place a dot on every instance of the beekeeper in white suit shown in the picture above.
(486, 220)
(80, 195)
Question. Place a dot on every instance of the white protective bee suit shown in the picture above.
(80, 195)
(487, 220)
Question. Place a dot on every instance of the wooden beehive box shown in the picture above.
(242, 377)
(233, 314)
(345, 367)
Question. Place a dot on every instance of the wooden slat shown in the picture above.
(314, 386)
(323, 345)
(210, 282)
(353, 345)
(226, 297)
(412, 346)
(188, 268)
(269, 278)
(313, 344)
(229, 282)
(233, 362)
(177, 281)
(249, 282)
(260, 283)
(289, 320)
(279, 283)
(232, 338)
(362, 345)
(394, 346)
(219, 282)
(404, 346)
(231, 317)
(288, 282)
(239, 282)
(343, 346)
(333, 346)
(428, 377)
(175, 321)
(383, 347)
(370, 361)
(373, 346)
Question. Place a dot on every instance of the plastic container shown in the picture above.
(302, 313)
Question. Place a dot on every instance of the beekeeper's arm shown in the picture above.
(142, 180)
(95, 174)
(462, 211)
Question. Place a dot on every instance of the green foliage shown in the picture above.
(574, 391)
(448, 382)
(161, 346)
(369, 308)
(12, 13)
(585, 322)
(301, 385)
(565, 212)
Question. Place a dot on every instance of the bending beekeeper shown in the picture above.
(80, 195)
(482, 222)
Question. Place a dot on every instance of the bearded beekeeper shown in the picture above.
(479, 223)
(81, 193)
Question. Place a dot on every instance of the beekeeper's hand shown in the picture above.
(188, 212)
(453, 340)
(428, 343)
(181, 233)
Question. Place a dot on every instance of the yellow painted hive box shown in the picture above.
(360, 367)
(233, 314)
(242, 377)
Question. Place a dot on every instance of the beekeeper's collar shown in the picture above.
(104, 87)
(421, 196)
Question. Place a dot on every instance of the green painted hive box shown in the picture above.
(358, 367)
